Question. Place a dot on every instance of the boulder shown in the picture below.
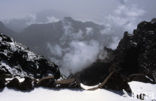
(27, 84)
(14, 84)
(2, 83)
(46, 82)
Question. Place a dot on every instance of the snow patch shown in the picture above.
(13, 70)
(31, 56)
(13, 46)
(40, 94)
(20, 79)
(88, 87)
(149, 90)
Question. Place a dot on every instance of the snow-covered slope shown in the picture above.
(41, 94)
(146, 91)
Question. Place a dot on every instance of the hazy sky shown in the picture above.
(83, 9)
(77, 8)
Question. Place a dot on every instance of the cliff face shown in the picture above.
(134, 59)
(137, 53)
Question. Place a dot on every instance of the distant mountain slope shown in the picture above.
(7, 31)
(61, 33)
(59, 40)
(56, 40)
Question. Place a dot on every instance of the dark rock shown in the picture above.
(135, 55)
(23, 61)
(118, 82)
(27, 84)
(5, 38)
(2, 83)
(141, 78)
(18, 60)
(74, 83)
(14, 84)
(141, 96)
(47, 83)
(89, 75)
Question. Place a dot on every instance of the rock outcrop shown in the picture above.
(18, 60)
(133, 60)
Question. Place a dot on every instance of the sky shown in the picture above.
(95, 10)
(76, 8)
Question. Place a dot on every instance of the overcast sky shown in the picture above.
(82, 9)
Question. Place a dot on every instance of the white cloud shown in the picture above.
(114, 44)
(55, 49)
(126, 17)
(51, 19)
(81, 55)
(89, 30)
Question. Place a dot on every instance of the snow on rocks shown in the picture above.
(144, 91)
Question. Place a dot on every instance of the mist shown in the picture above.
(74, 43)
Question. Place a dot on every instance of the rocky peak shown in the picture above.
(133, 60)
(139, 49)
(21, 68)
(16, 59)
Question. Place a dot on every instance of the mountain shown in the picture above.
(17, 61)
(7, 31)
(49, 37)
(133, 60)
(59, 41)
